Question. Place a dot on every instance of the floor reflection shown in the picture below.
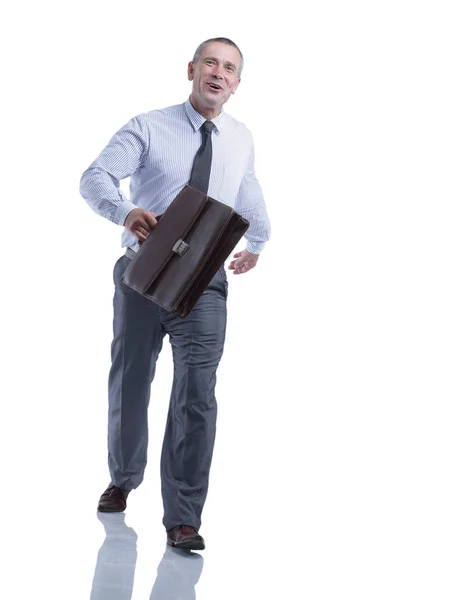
(117, 558)
(177, 574)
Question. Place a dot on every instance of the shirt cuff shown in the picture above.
(255, 247)
(123, 210)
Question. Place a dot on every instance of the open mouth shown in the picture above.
(214, 86)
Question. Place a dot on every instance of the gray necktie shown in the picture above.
(201, 169)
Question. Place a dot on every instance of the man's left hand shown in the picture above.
(245, 261)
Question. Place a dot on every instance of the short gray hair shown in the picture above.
(222, 40)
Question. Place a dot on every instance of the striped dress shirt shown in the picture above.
(156, 150)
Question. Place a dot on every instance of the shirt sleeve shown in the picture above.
(250, 205)
(123, 156)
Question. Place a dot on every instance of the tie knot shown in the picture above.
(208, 126)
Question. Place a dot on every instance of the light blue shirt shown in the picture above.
(156, 150)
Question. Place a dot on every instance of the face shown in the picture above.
(215, 76)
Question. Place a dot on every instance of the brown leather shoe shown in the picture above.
(113, 499)
(186, 537)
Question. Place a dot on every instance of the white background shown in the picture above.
(332, 473)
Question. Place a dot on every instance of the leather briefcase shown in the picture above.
(183, 252)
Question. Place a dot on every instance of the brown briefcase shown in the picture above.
(181, 255)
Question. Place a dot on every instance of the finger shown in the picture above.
(244, 267)
(150, 219)
(238, 271)
(142, 225)
(141, 234)
(142, 228)
(237, 255)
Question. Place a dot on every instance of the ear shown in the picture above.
(236, 85)
(190, 71)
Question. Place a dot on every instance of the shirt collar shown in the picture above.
(197, 120)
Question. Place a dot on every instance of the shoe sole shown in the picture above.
(111, 510)
(187, 545)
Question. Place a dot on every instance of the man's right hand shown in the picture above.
(140, 222)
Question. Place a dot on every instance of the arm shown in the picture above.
(250, 205)
(123, 156)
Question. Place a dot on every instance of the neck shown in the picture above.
(207, 112)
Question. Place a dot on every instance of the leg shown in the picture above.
(137, 341)
(197, 343)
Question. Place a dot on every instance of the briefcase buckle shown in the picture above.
(180, 247)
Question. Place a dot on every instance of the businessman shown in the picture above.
(193, 143)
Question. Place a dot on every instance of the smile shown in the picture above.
(214, 86)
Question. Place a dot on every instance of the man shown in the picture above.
(159, 150)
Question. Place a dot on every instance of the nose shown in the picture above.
(218, 72)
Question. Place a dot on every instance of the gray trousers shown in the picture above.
(139, 327)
